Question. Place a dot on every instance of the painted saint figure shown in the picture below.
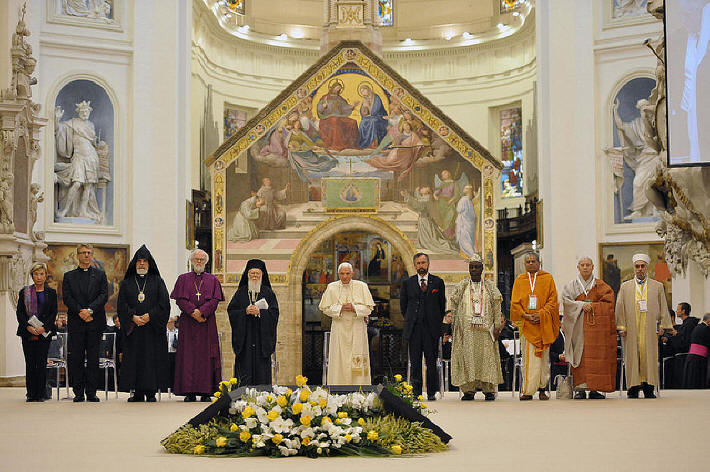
(373, 125)
(403, 154)
(271, 214)
(466, 222)
(244, 225)
(337, 129)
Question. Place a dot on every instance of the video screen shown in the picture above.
(688, 82)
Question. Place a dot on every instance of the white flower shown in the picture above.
(307, 432)
(239, 405)
(287, 451)
(279, 390)
(279, 425)
(251, 422)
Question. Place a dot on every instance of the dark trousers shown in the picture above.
(421, 342)
(35, 366)
(252, 370)
(84, 361)
(171, 379)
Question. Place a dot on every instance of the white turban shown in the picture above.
(641, 257)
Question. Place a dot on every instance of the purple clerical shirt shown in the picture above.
(198, 367)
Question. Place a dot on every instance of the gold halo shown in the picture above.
(336, 81)
(368, 84)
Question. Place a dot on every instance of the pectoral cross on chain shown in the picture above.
(198, 295)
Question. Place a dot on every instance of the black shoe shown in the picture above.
(135, 398)
(581, 395)
(490, 396)
(92, 398)
(468, 396)
(205, 398)
(633, 392)
(29, 400)
(431, 398)
(190, 398)
(648, 391)
(78, 399)
(150, 399)
(594, 395)
(525, 397)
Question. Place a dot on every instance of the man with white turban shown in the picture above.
(349, 303)
(640, 306)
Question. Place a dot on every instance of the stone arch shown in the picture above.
(290, 351)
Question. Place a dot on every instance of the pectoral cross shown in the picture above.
(198, 295)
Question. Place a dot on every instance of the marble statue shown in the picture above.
(100, 9)
(628, 8)
(36, 197)
(77, 167)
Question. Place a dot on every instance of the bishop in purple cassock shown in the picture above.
(198, 367)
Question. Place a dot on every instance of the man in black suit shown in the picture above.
(423, 304)
(85, 292)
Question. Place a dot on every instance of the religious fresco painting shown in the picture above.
(84, 145)
(348, 139)
(511, 152)
(616, 266)
(635, 160)
(113, 260)
(385, 12)
(234, 118)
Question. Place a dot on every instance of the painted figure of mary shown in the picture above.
(373, 126)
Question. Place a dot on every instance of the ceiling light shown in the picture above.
(516, 13)
(408, 41)
(466, 35)
(243, 29)
(297, 33)
(501, 26)
(448, 35)
(282, 37)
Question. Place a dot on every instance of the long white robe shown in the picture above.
(348, 355)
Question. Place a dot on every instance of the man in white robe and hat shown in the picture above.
(349, 303)
(640, 308)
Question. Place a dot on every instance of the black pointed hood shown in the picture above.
(142, 253)
(255, 264)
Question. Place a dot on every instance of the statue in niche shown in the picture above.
(100, 9)
(6, 223)
(36, 197)
(640, 151)
(78, 169)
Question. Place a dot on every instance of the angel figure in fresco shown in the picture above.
(466, 227)
(276, 142)
(307, 155)
(402, 155)
(428, 232)
(373, 125)
(337, 129)
(447, 195)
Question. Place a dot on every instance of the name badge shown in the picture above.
(477, 321)
(643, 306)
(477, 308)
(532, 302)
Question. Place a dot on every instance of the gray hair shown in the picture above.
(38, 266)
(345, 264)
(581, 258)
(195, 252)
(534, 254)
(706, 317)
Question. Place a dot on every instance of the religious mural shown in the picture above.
(84, 161)
(349, 139)
(111, 259)
(634, 156)
(234, 118)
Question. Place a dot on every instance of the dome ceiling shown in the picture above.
(417, 24)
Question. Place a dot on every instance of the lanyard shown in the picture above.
(532, 282)
(639, 290)
(584, 289)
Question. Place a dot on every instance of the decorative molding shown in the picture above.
(108, 24)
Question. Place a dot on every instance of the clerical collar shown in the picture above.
(84, 269)
(423, 277)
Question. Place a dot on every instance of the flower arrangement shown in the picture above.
(304, 421)
(405, 392)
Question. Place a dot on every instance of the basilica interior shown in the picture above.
(308, 133)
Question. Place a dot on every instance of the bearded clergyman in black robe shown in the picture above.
(254, 315)
(144, 309)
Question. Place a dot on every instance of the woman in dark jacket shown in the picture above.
(36, 313)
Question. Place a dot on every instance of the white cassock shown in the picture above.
(349, 356)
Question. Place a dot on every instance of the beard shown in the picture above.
(142, 272)
(254, 286)
(198, 268)
(422, 271)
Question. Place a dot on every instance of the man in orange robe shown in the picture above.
(535, 310)
(590, 332)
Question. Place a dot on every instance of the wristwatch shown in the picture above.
(91, 312)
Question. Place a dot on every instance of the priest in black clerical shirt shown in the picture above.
(144, 309)
(254, 315)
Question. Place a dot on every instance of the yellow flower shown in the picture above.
(323, 403)
(305, 420)
(325, 420)
(289, 392)
(233, 428)
(269, 398)
(397, 449)
(398, 378)
(281, 401)
(420, 397)
(214, 399)
(312, 403)
(199, 449)
(244, 436)
(348, 438)
(342, 414)
(223, 384)
(372, 435)
(217, 394)
(248, 412)
(409, 388)
(296, 408)
(304, 395)
(306, 441)
(301, 380)
(221, 441)
(423, 405)
(273, 414)
(233, 381)
(361, 421)
(277, 439)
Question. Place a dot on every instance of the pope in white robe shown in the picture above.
(349, 303)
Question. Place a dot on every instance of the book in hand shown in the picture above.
(36, 323)
(261, 304)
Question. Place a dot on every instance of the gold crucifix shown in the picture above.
(197, 289)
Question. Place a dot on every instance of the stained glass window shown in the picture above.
(507, 6)
(385, 12)
(234, 119)
(511, 147)
(237, 6)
